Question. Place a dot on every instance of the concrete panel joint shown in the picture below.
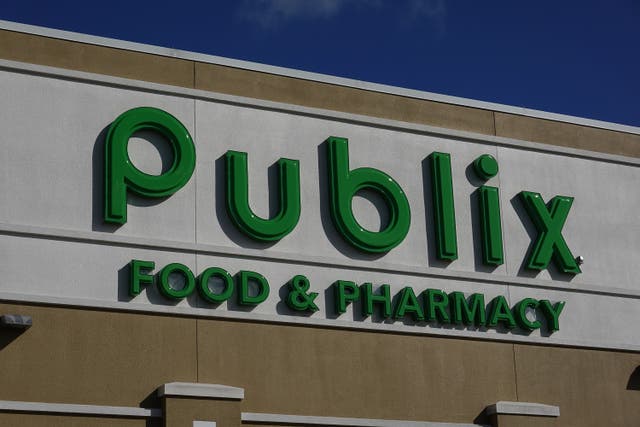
(523, 408)
(216, 391)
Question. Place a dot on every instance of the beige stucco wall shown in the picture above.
(110, 358)
(47, 420)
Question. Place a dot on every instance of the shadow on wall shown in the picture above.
(634, 380)
(7, 336)
(482, 419)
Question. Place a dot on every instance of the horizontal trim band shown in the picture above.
(305, 75)
(201, 390)
(206, 313)
(90, 237)
(253, 417)
(523, 408)
(67, 408)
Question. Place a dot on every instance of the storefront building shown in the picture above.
(191, 240)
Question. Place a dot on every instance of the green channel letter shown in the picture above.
(345, 183)
(437, 305)
(383, 298)
(444, 215)
(345, 292)
(140, 276)
(468, 312)
(408, 303)
(521, 309)
(206, 292)
(552, 314)
(486, 167)
(500, 312)
(549, 221)
(245, 297)
(122, 176)
(237, 198)
(165, 287)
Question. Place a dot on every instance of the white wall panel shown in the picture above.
(56, 247)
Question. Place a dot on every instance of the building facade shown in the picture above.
(190, 240)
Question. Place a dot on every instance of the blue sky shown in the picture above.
(580, 58)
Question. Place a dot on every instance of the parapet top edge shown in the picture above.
(306, 75)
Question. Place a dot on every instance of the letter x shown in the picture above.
(549, 222)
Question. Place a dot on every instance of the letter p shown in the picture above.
(122, 176)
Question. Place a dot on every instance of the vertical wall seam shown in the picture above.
(198, 356)
(495, 130)
(515, 371)
(195, 184)
(193, 83)
(195, 209)
(506, 258)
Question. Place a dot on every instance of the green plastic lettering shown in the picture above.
(299, 297)
(500, 312)
(471, 312)
(444, 215)
(122, 176)
(486, 167)
(408, 303)
(549, 222)
(207, 293)
(345, 183)
(345, 293)
(520, 313)
(138, 277)
(237, 198)
(552, 314)
(437, 305)
(369, 298)
(165, 286)
(490, 225)
(246, 296)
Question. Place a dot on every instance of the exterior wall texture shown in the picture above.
(110, 357)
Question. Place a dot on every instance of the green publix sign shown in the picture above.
(251, 288)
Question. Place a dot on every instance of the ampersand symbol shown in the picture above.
(298, 298)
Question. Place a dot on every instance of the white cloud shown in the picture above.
(433, 11)
(429, 8)
(270, 13)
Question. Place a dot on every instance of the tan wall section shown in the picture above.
(26, 420)
(182, 411)
(589, 386)
(331, 97)
(110, 358)
(309, 371)
(93, 357)
(525, 421)
(234, 81)
(567, 135)
(95, 59)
